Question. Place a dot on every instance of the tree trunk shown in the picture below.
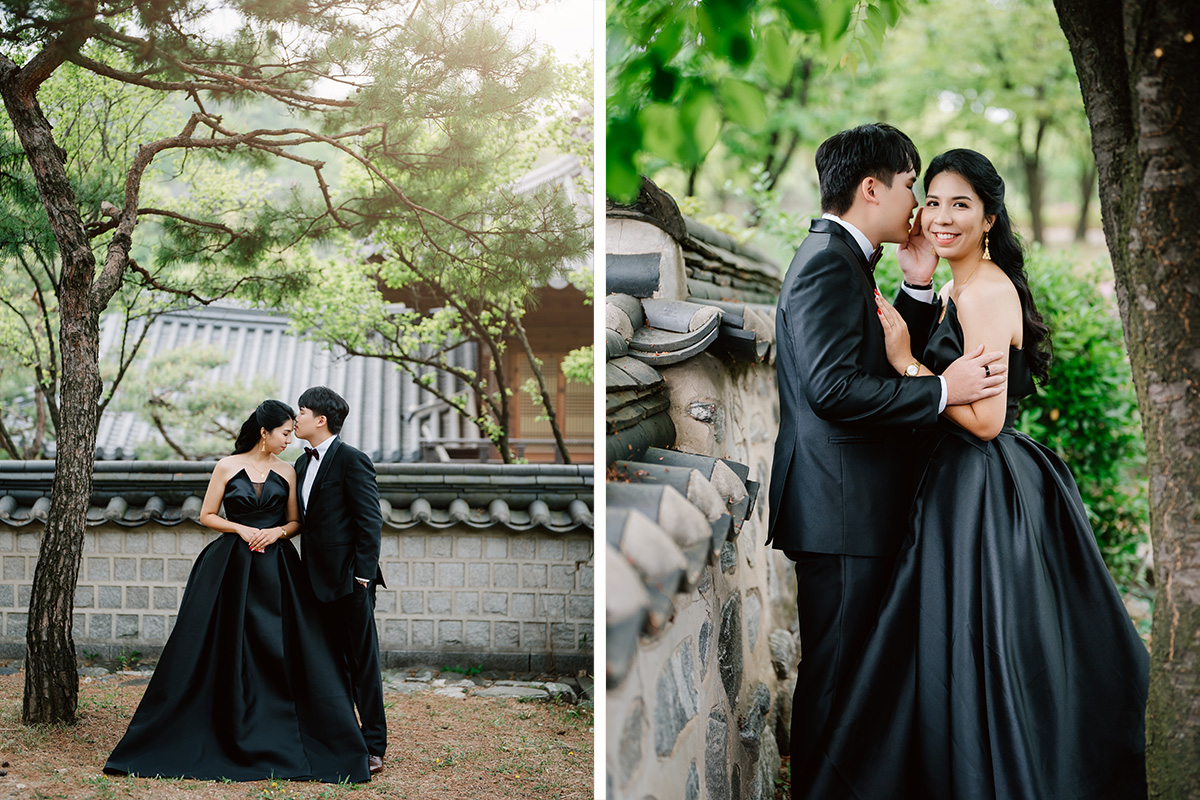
(1035, 180)
(1139, 69)
(51, 682)
(547, 401)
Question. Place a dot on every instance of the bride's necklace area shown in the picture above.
(261, 474)
(958, 287)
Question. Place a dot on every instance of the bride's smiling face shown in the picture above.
(279, 439)
(953, 218)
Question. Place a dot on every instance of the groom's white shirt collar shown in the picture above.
(310, 473)
(858, 235)
(324, 446)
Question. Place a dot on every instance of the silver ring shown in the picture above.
(987, 371)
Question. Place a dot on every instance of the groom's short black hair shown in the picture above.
(845, 159)
(325, 402)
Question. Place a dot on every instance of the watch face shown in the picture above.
(912, 370)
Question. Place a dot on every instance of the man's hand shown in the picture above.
(363, 581)
(975, 376)
(916, 257)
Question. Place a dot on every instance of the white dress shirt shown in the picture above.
(310, 474)
(924, 295)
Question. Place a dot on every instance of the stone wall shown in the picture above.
(497, 598)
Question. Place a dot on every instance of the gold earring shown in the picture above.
(987, 254)
(262, 446)
(932, 251)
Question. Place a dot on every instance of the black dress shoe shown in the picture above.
(375, 764)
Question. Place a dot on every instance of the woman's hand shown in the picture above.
(256, 538)
(916, 257)
(895, 334)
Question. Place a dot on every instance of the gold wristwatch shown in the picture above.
(913, 369)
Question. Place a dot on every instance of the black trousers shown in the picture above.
(838, 599)
(352, 619)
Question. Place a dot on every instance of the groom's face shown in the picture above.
(307, 423)
(896, 204)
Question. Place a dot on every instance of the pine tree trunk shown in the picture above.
(1139, 69)
(51, 683)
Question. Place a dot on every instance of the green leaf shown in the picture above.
(835, 20)
(743, 104)
(662, 131)
(701, 118)
(804, 15)
(777, 55)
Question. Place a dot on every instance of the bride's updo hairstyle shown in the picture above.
(1003, 246)
(270, 415)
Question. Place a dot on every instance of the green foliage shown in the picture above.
(579, 365)
(1088, 412)
(197, 415)
(678, 73)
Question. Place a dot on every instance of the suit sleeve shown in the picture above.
(920, 318)
(828, 317)
(362, 501)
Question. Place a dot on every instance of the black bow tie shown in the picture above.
(874, 259)
(313, 453)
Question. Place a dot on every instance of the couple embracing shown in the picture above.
(270, 654)
(960, 635)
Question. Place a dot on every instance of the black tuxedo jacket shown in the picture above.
(842, 476)
(342, 522)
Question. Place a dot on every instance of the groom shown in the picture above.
(341, 522)
(841, 483)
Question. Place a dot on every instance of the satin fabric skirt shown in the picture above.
(248, 686)
(1004, 664)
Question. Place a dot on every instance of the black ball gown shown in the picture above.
(1004, 664)
(248, 686)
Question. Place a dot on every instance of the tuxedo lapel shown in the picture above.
(840, 234)
(324, 464)
(301, 469)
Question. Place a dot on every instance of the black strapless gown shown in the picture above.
(247, 687)
(1004, 664)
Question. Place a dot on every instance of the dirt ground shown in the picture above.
(439, 748)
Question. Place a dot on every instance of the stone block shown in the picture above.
(153, 629)
(14, 568)
(508, 634)
(17, 624)
(705, 644)
(389, 545)
(496, 547)
(171, 619)
(98, 569)
(451, 574)
(395, 573)
(125, 569)
(412, 602)
(479, 575)
(191, 542)
(163, 542)
(178, 569)
(522, 549)
(728, 558)
(422, 633)
(553, 606)
(152, 569)
(479, 634)
(585, 637)
(586, 577)
(466, 603)
(127, 626)
(504, 575)
(395, 634)
(110, 542)
(534, 636)
(6, 595)
(137, 597)
(165, 597)
(495, 603)
(551, 549)
(7, 541)
(533, 576)
(24, 594)
(422, 573)
(85, 596)
(441, 546)
(752, 724)
(716, 771)
(413, 546)
(730, 653)
(385, 602)
(630, 750)
(28, 542)
(753, 617)
(470, 547)
(522, 606)
(691, 789)
(78, 623)
(450, 633)
(562, 576)
(676, 698)
(108, 597)
(100, 626)
(137, 542)
(562, 634)
(580, 606)
(440, 603)
(579, 550)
